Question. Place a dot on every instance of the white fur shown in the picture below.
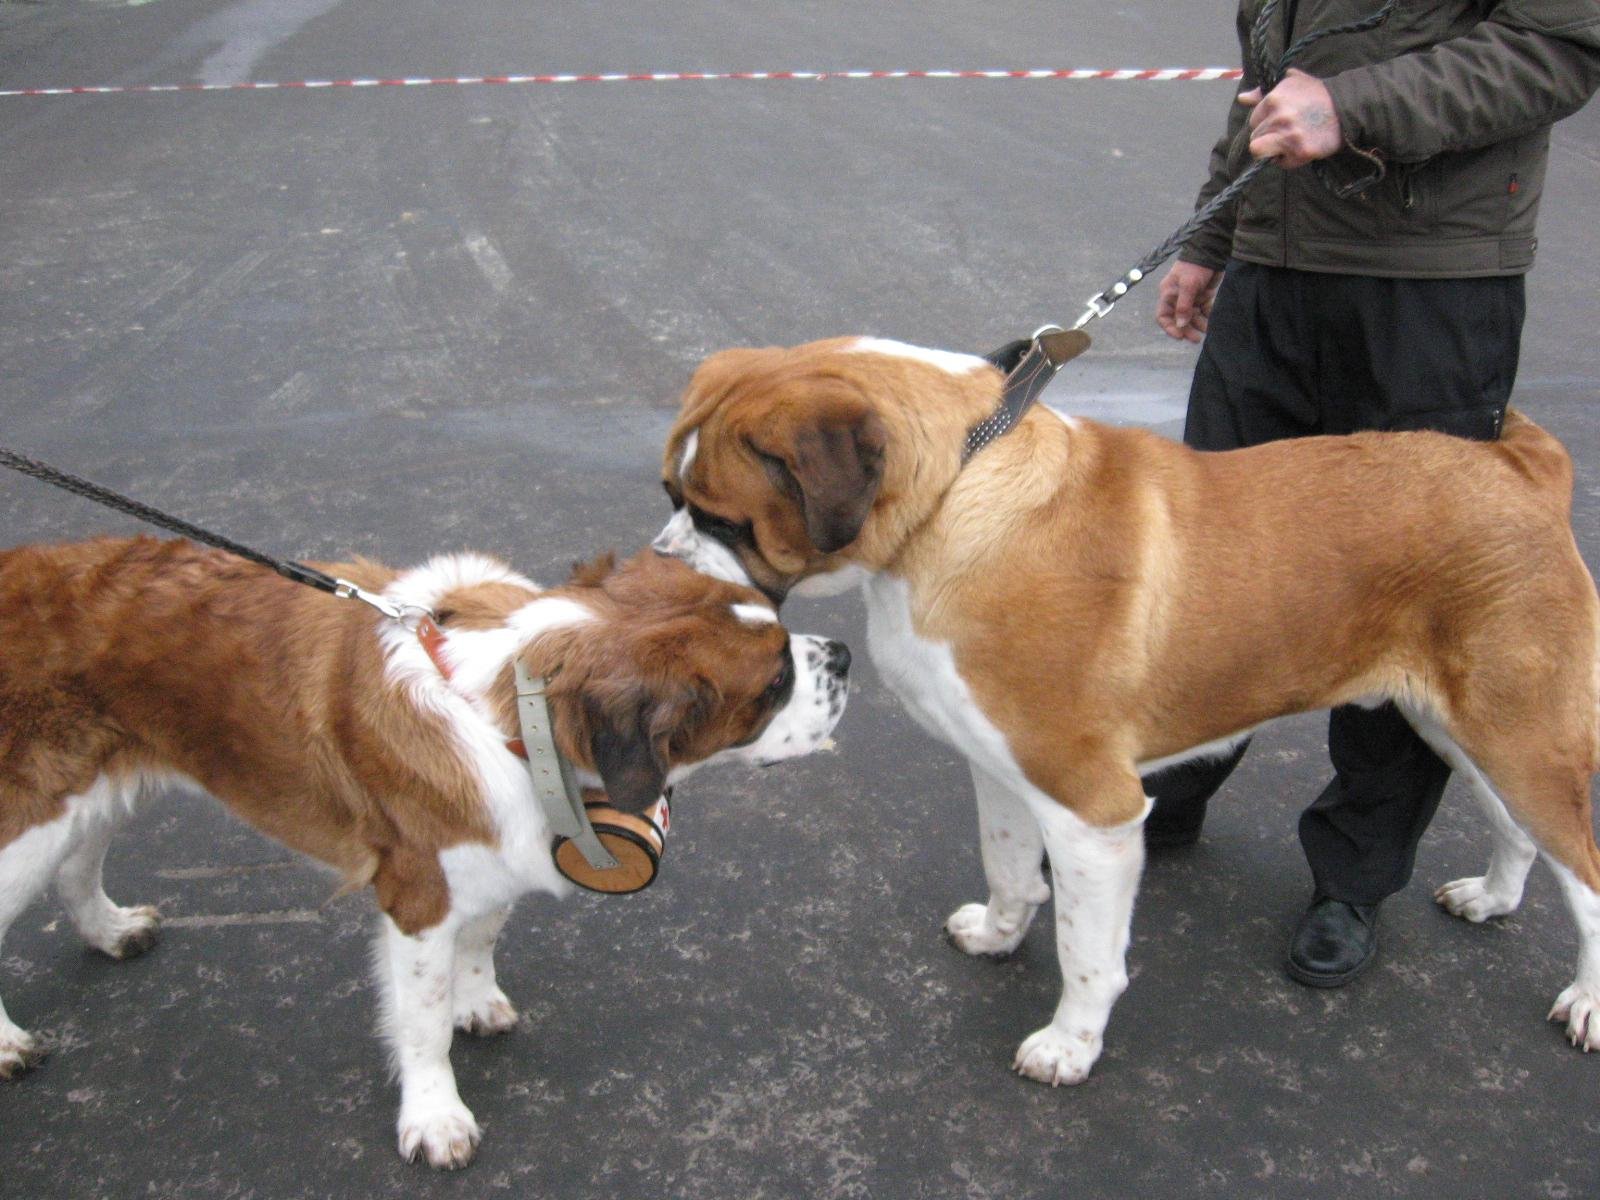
(1579, 1004)
(522, 861)
(477, 656)
(679, 538)
(1012, 847)
(1498, 890)
(416, 977)
(480, 1005)
(945, 360)
(754, 614)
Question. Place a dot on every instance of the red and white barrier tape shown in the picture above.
(1164, 75)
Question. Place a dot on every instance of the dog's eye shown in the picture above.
(729, 533)
(781, 680)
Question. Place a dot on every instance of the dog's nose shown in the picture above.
(838, 660)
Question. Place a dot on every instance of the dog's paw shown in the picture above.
(1579, 1007)
(1054, 1057)
(123, 933)
(447, 1136)
(1473, 900)
(974, 930)
(19, 1050)
(488, 1013)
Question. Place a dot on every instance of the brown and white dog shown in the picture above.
(1080, 605)
(129, 665)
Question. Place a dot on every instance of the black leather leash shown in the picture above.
(1030, 363)
(1268, 75)
(297, 571)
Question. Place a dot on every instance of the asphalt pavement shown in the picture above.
(398, 320)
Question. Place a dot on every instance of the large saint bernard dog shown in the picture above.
(130, 665)
(1078, 606)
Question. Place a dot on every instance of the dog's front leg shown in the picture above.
(480, 1007)
(418, 1012)
(1096, 873)
(1012, 848)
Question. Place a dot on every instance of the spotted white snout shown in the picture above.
(821, 687)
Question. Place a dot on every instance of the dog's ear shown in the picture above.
(631, 767)
(630, 740)
(595, 571)
(832, 467)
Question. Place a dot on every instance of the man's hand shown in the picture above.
(1295, 122)
(1184, 305)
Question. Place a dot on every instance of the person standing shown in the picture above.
(1373, 282)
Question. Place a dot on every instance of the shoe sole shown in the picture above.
(1319, 979)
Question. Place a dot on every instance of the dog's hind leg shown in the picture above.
(114, 931)
(1579, 1004)
(1012, 847)
(1546, 805)
(26, 864)
(1498, 890)
(480, 1006)
(1554, 803)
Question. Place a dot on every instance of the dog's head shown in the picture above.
(774, 463)
(679, 669)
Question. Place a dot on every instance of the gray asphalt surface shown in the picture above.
(399, 321)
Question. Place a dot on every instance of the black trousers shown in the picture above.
(1294, 353)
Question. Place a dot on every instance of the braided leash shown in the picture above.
(297, 571)
(1268, 76)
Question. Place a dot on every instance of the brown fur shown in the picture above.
(1112, 598)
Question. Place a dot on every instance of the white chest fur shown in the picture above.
(922, 673)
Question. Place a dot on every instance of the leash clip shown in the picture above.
(1099, 305)
(407, 615)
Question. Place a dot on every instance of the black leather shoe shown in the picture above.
(1333, 943)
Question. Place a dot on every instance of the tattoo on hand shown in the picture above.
(1316, 118)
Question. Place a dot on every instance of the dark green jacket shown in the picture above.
(1455, 97)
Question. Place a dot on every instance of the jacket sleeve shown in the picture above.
(1211, 245)
(1526, 65)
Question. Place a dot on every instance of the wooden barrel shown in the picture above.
(636, 841)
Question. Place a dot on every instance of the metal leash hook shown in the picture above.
(408, 616)
(1099, 305)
